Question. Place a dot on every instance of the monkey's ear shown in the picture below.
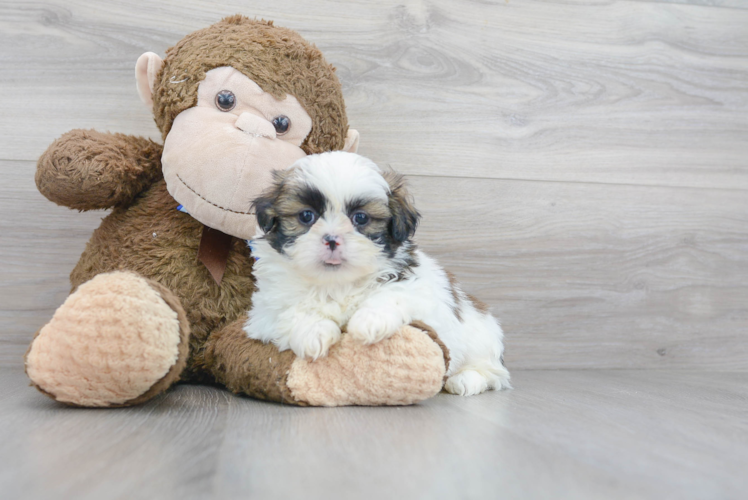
(351, 141)
(265, 214)
(146, 69)
(404, 215)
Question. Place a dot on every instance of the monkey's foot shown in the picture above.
(403, 369)
(118, 340)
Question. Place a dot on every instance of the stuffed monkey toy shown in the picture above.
(161, 292)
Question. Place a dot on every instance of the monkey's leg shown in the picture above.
(118, 340)
(403, 369)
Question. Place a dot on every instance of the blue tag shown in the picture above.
(182, 209)
(252, 249)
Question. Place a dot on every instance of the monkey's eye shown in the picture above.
(281, 124)
(307, 217)
(225, 100)
(360, 218)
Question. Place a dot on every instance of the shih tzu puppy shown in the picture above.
(334, 253)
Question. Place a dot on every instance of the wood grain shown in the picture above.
(41, 244)
(598, 276)
(559, 434)
(627, 92)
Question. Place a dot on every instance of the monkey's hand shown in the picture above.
(88, 170)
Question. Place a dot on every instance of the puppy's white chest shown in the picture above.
(336, 308)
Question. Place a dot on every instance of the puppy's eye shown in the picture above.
(360, 219)
(281, 124)
(225, 100)
(307, 217)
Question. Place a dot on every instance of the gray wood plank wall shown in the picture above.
(581, 166)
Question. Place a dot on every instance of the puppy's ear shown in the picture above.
(404, 214)
(266, 217)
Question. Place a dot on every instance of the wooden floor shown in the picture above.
(582, 166)
(559, 434)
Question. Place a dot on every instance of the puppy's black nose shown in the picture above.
(331, 241)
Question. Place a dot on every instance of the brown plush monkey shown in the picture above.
(160, 294)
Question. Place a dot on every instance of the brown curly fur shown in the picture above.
(89, 170)
(277, 59)
(251, 368)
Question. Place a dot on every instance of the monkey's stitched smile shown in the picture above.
(208, 201)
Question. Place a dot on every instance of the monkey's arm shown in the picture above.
(88, 170)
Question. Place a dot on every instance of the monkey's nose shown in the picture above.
(331, 241)
(255, 125)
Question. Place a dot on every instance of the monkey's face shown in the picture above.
(218, 154)
(234, 102)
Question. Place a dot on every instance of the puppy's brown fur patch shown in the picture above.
(377, 210)
(453, 289)
(404, 214)
(479, 305)
(279, 207)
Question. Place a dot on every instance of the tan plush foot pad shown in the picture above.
(118, 340)
(404, 369)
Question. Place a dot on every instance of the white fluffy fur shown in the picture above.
(302, 304)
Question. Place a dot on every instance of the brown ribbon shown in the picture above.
(214, 251)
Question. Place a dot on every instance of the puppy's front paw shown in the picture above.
(370, 325)
(314, 340)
